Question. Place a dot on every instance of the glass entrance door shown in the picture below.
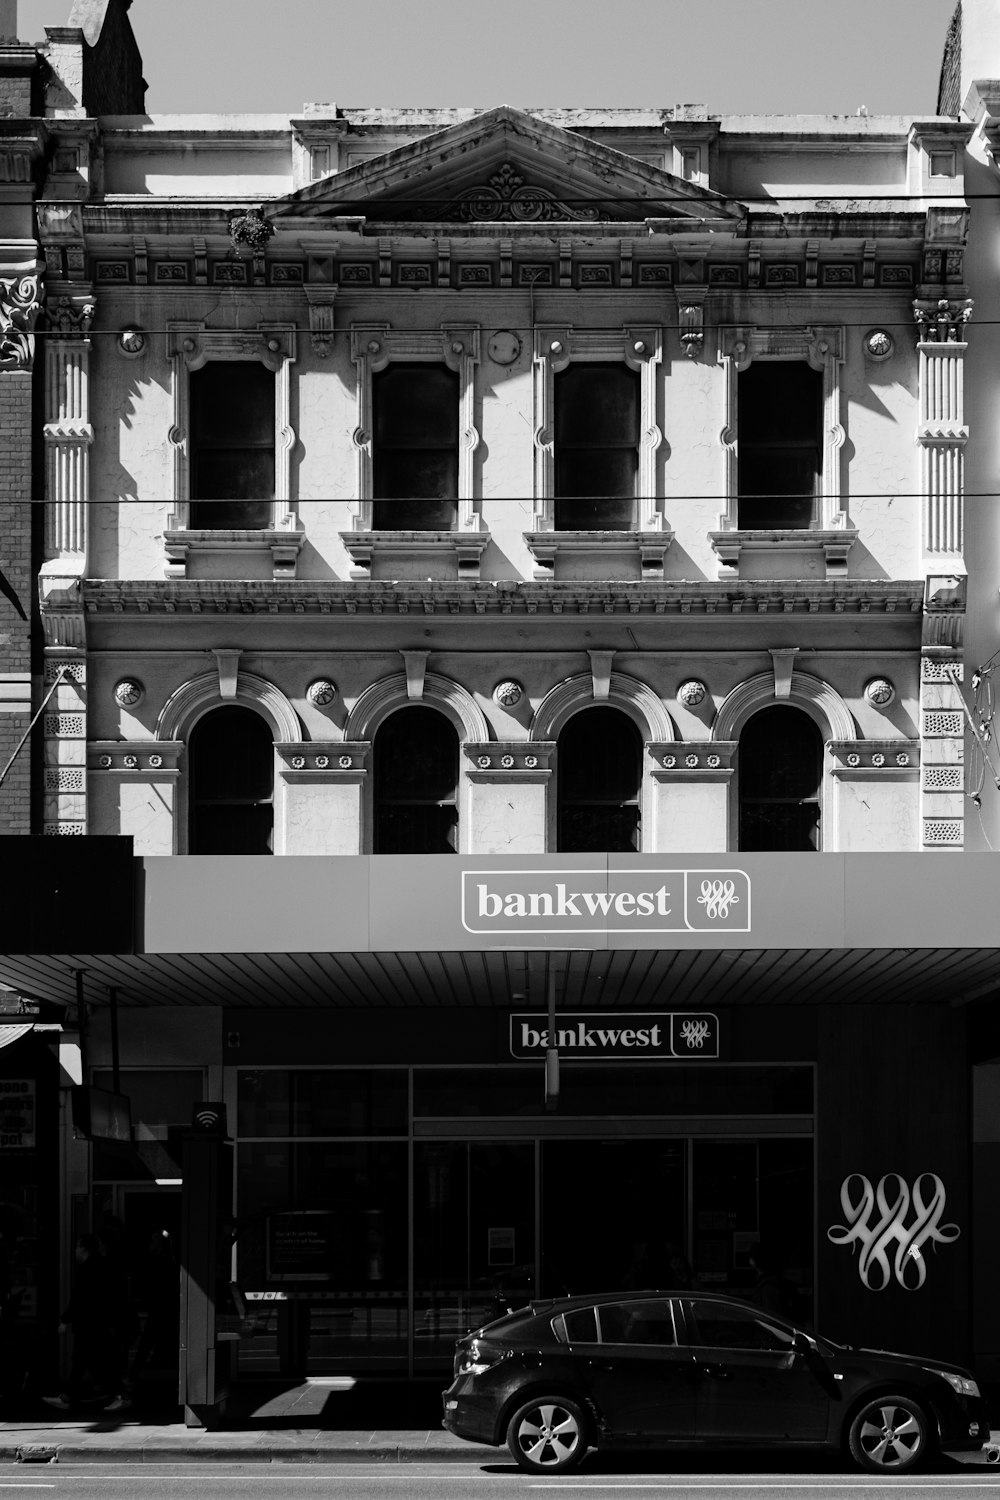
(473, 1239)
(613, 1215)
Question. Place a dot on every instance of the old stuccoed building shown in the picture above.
(550, 522)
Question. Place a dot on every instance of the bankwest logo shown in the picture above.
(629, 1037)
(521, 902)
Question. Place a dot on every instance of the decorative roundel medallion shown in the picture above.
(508, 693)
(879, 692)
(128, 692)
(321, 692)
(879, 343)
(504, 347)
(692, 693)
(132, 341)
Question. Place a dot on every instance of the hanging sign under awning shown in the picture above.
(617, 1036)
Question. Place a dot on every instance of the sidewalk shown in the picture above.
(309, 1422)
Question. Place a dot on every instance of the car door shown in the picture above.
(639, 1376)
(752, 1381)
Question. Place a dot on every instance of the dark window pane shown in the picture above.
(232, 403)
(779, 827)
(416, 779)
(596, 447)
(415, 448)
(581, 1326)
(780, 443)
(597, 406)
(416, 757)
(355, 1101)
(231, 781)
(780, 755)
(415, 515)
(601, 478)
(599, 775)
(636, 1323)
(416, 830)
(780, 771)
(416, 406)
(232, 445)
(599, 756)
(721, 1327)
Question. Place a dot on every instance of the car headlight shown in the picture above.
(963, 1384)
(478, 1358)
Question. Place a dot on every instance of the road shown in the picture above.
(458, 1480)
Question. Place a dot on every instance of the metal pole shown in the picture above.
(115, 1074)
(81, 1021)
(552, 1051)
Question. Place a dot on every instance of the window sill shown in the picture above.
(182, 547)
(648, 548)
(367, 548)
(732, 547)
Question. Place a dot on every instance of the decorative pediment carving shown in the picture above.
(507, 167)
(508, 198)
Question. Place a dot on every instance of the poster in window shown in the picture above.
(17, 1114)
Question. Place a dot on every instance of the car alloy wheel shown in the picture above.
(546, 1435)
(889, 1435)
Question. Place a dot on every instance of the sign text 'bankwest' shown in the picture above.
(625, 1036)
(512, 903)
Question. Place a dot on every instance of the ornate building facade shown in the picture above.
(498, 492)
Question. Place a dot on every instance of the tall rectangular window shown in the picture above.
(596, 447)
(415, 448)
(780, 463)
(232, 445)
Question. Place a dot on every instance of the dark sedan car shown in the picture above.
(651, 1370)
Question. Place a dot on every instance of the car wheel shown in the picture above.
(547, 1435)
(890, 1435)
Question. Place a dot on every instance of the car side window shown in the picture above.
(580, 1326)
(721, 1327)
(646, 1322)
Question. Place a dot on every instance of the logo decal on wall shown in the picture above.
(875, 1223)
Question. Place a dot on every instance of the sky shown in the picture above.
(732, 56)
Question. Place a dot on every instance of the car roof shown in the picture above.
(551, 1305)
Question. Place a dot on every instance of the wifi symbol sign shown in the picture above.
(210, 1118)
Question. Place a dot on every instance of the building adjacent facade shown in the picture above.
(497, 492)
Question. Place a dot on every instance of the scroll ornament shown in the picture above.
(877, 1219)
(20, 304)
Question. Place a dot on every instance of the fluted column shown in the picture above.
(68, 436)
(942, 435)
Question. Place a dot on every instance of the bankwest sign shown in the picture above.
(512, 903)
(617, 1035)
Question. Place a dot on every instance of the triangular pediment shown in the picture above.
(507, 166)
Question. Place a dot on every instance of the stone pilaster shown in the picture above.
(941, 430)
(68, 436)
(942, 715)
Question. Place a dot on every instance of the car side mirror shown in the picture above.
(800, 1343)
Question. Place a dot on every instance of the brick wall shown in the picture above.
(15, 597)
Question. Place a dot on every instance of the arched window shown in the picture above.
(599, 771)
(781, 773)
(416, 783)
(231, 781)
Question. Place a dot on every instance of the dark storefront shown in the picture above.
(770, 1055)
